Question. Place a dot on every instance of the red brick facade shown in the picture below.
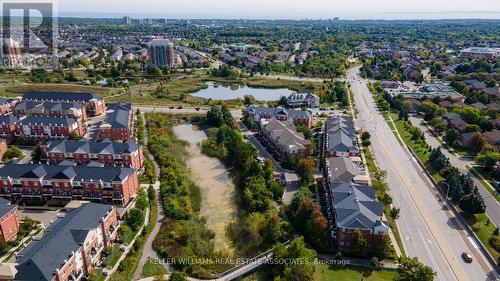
(9, 224)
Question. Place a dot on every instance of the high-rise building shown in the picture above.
(11, 53)
(161, 53)
(127, 20)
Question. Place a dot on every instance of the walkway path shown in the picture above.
(148, 251)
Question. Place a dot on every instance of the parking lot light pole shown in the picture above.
(447, 190)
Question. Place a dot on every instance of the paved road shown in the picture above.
(427, 230)
(492, 205)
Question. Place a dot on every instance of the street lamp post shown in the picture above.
(447, 190)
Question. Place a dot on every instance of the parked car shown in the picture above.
(467, 257)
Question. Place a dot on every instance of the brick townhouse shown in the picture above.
(3, 148)
(356, 207)
(118, 123)
(39, 127)
(127, 154)
(297, 117)
(5, 107)
(72, 247)
(110, 185)
(9, 220)
(284, 138)
(94, 105)
(340, 137)
(54, 109)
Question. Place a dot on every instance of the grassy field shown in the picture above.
(113, 256)
(152, 269)
(483, 228)
(16, 90)
(328, 273)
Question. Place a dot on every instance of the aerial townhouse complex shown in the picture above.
(9, 220)
(40, 127)
(128, 154)
(72, 247)
(110, 185)
(94, 105)
(295, 117)
(352, 204)
(118, 124)
(55, 109)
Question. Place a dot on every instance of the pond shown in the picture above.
(218, 203)
(218, 91)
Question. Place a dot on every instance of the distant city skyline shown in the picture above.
(284, 9)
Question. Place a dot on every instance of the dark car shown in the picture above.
(467, 257)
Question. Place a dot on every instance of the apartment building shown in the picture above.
(298, 100)
(110, 185)
(128, 154)
(94, 105)
(40, 127)
(297, 117)
(161, 53)
(9, 220)
(5, 107)
(72, 247)
(118, 125)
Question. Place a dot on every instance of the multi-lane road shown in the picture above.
(429, 231)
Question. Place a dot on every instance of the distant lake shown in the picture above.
(217, 91)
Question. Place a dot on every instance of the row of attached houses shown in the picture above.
(118, 125)
(111, 185)
(93, 104)
(9, 220)
(40, 127)
(297, 117)
(284, 138)
(340, 137)
(128, 154)
(72, 247)
(54, 109)
(352, 202)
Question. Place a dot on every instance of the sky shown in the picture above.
(284, 9)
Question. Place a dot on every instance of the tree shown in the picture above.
(36, 154)
(256, 195)
(365, 139)
(249, 99)
(374, 262)
(305, 130)
(74, 136)
(383, 247)
(296, 251)
(394, 213)
(215, 117)
(488, 160)
(473, 203)
(477, 142)
(411, 269)
(438, 160)
(305, 169)
(452, 137)
(13, 152)
(135, 219)
(177, 276)
(358, 244)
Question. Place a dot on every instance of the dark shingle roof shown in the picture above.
(40, 260)
(67, 96)
(106, 174)
(120, 116)
(5, 207)
(84, 146)
(356, 206)
(262, 110)
(43, 120)
(8, 119)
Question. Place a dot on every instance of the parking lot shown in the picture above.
(46, 217)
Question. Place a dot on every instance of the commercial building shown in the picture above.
(296, 117)
(111, 185)
(356, 208)
(284, 138)
(161, 53)
(9, 220)
(94, 105)
(118, 125)
(128, 154)
(481, 53)
(297, 100)
(72, 246)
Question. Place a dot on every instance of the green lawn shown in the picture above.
(113, 256)
(349, 273)
(152, 269)
(483, 228)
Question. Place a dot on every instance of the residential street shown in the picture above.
(428, 230)
(492, 205)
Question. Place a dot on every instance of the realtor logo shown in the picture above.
(29, 32)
